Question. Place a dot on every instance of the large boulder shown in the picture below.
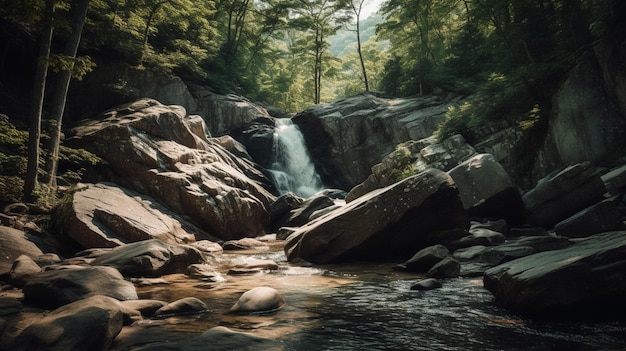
(261, 299)
(392, 221)
(151, 258)
(487, 190)
(13, 244)
(88, 324)
(601, 217)
(154, 149)
(586, 277)
(61, 286)
(346, 138)
(559, 196)
(258, 138)
(105, 215)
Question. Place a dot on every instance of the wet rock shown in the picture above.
(204, 272)
(152, 148)
(185, 305)
(88, 324)
(284, 232)
(150, 258)
(499, 225)
(426, 284)
(469, 253)
(446, 268)
(500, 254)
(257, 137)
(145, 307)
(559, 196)
(426, 258)
(219, 338)
(392, 221)
(13, 244)
(258, 300)
(58, 287)
(105, 215)
(21, 269)
(253, 265)
(486, 189)
(245, 244)
(583, 278)
(601, 217)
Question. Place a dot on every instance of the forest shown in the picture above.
(509, 55)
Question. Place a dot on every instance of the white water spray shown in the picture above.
(293, 169)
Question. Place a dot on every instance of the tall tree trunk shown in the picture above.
(39, 89)
(79, 9)
(357, 12)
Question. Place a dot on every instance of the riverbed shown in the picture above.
(365, 306)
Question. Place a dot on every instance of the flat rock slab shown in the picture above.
(13, 244)
(585, 278)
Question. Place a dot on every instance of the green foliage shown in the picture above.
(533, 118)
(398, 165)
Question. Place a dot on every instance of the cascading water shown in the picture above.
(293, 169)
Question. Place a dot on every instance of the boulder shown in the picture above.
(615, 180)
(258, 300)
(426, 258)
(446, 268)
(253, 266)
(58, 287)
(389, 222)
(245, 244)
(601, 217)
(106, 215)
(145, 307)
(486, 189)
(302, 214)
(9, 306)
(21, 269)
(559, 196)
(284, 204)
(447, 154)
(185, 305)
(13, 244)
(88, 324)
(151, 258)
(426, 284)
(219, 338)
(494, 238)
(152, 149)
(204, 272)
(583, 278)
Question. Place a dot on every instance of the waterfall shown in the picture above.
(292, 168)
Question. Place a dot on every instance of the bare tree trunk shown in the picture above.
(34, 127)
(357, 12)
(79, 8)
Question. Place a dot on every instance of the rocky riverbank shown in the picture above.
(142, 239)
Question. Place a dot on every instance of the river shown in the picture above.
(367, 306)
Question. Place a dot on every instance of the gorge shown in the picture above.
(425, 243)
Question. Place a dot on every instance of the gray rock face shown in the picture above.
(392, 221)
(487, 190)
(59, 287)
(561, 195)
(105, 215)
(152, 149)
(348, 137)
(583, 278)
(88, 324)
(150, 258)
(426, 258)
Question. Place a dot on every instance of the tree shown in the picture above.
(318, 19)
(57, 106)
(357, 7)
(34, 129)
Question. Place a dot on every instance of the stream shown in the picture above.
(363, 306)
